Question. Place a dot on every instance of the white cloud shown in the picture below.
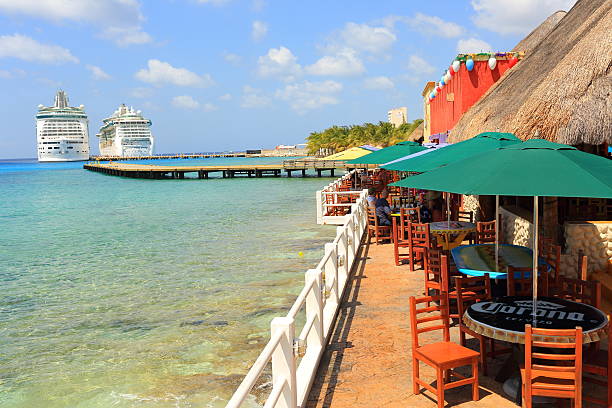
(159, 73)
(515, 16)
(5, 74)
(121, 20)
(254, 98)
(279, 63)
(363, 37)
(307, 95)
(185, 102)
(98, 73)
(259, 30)
(25, 48)
(344, 63)
(124, 36)
(473, 45)
(378, 83)
(13, 73)
(433, 25)
(233, 59)
(140, 92)
(225, 97)
(419, 67)
(209, 107)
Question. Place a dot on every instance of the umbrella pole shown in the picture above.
(448, 210)
(534, 273)
(497, 233)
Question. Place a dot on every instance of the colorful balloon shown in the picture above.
(432, 95)
(442, 81)
(492, 63)
(456, 65)
(447, 77)
(469, 64)
(451, 71)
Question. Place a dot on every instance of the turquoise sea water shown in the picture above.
(119, 292)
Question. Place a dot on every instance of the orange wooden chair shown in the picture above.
(579, 290)
(379, 232)
(485, 232)
(598, 363)
(520, 283)
(550, 372)
(552, 255)
(401, 237)
(436, 272)
(467, 216)
(443, 356)
(583, 266)
(419, 241)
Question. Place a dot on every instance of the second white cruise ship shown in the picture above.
(127, 134)
(62, 132)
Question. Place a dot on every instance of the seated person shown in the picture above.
(371, 197)
(383, 209)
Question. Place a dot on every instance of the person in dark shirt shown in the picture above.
(383, 209)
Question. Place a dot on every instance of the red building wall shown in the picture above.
(464, 89)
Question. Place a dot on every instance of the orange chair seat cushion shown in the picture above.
(445, 352)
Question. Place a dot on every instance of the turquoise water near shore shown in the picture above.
(144, 293)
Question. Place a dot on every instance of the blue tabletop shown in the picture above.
(479, 259)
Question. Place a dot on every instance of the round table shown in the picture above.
(505, 318)
(451, 233)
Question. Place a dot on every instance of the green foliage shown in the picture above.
(341, 138)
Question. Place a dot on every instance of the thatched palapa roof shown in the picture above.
(560, 91)
(417, 133)
(540, 32)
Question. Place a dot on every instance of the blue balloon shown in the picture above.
(442, 81)
(469, 64)
(432, 95)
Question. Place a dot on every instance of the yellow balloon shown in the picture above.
(300, 253)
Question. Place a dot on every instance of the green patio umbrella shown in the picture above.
(388, 154)
(532, 168)
(480, 143)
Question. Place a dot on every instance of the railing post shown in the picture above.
(350, 246)
(331, 271)
(320, 210)
(283, 361)
(343, 251)
(314, 308)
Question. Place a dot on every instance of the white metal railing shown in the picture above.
(320, 299)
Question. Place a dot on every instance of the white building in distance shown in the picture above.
(398, 116)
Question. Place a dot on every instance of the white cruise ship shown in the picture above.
(62, 132)
(127, 133)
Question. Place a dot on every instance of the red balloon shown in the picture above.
(451, 70)
(438, 89)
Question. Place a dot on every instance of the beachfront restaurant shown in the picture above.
(479, 270)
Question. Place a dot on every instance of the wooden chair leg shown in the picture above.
(475, 393)
(415, 375)
(440, 387)
(461, 337)
(483, 354)
(411, 256)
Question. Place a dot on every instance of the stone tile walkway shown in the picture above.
(368, 361)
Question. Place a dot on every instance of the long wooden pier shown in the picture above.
(150, 171)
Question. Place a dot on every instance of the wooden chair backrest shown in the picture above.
(411, 214)
(520, 283)
(549, 358)
(437, 268)
(583, 265)
(467, 216)
(552, 255)
(471, 289)
(438, 312)
(578, 290)
(485, 232)
(372, 218)
(419, 234)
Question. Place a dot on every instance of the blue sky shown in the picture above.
(238, 74)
